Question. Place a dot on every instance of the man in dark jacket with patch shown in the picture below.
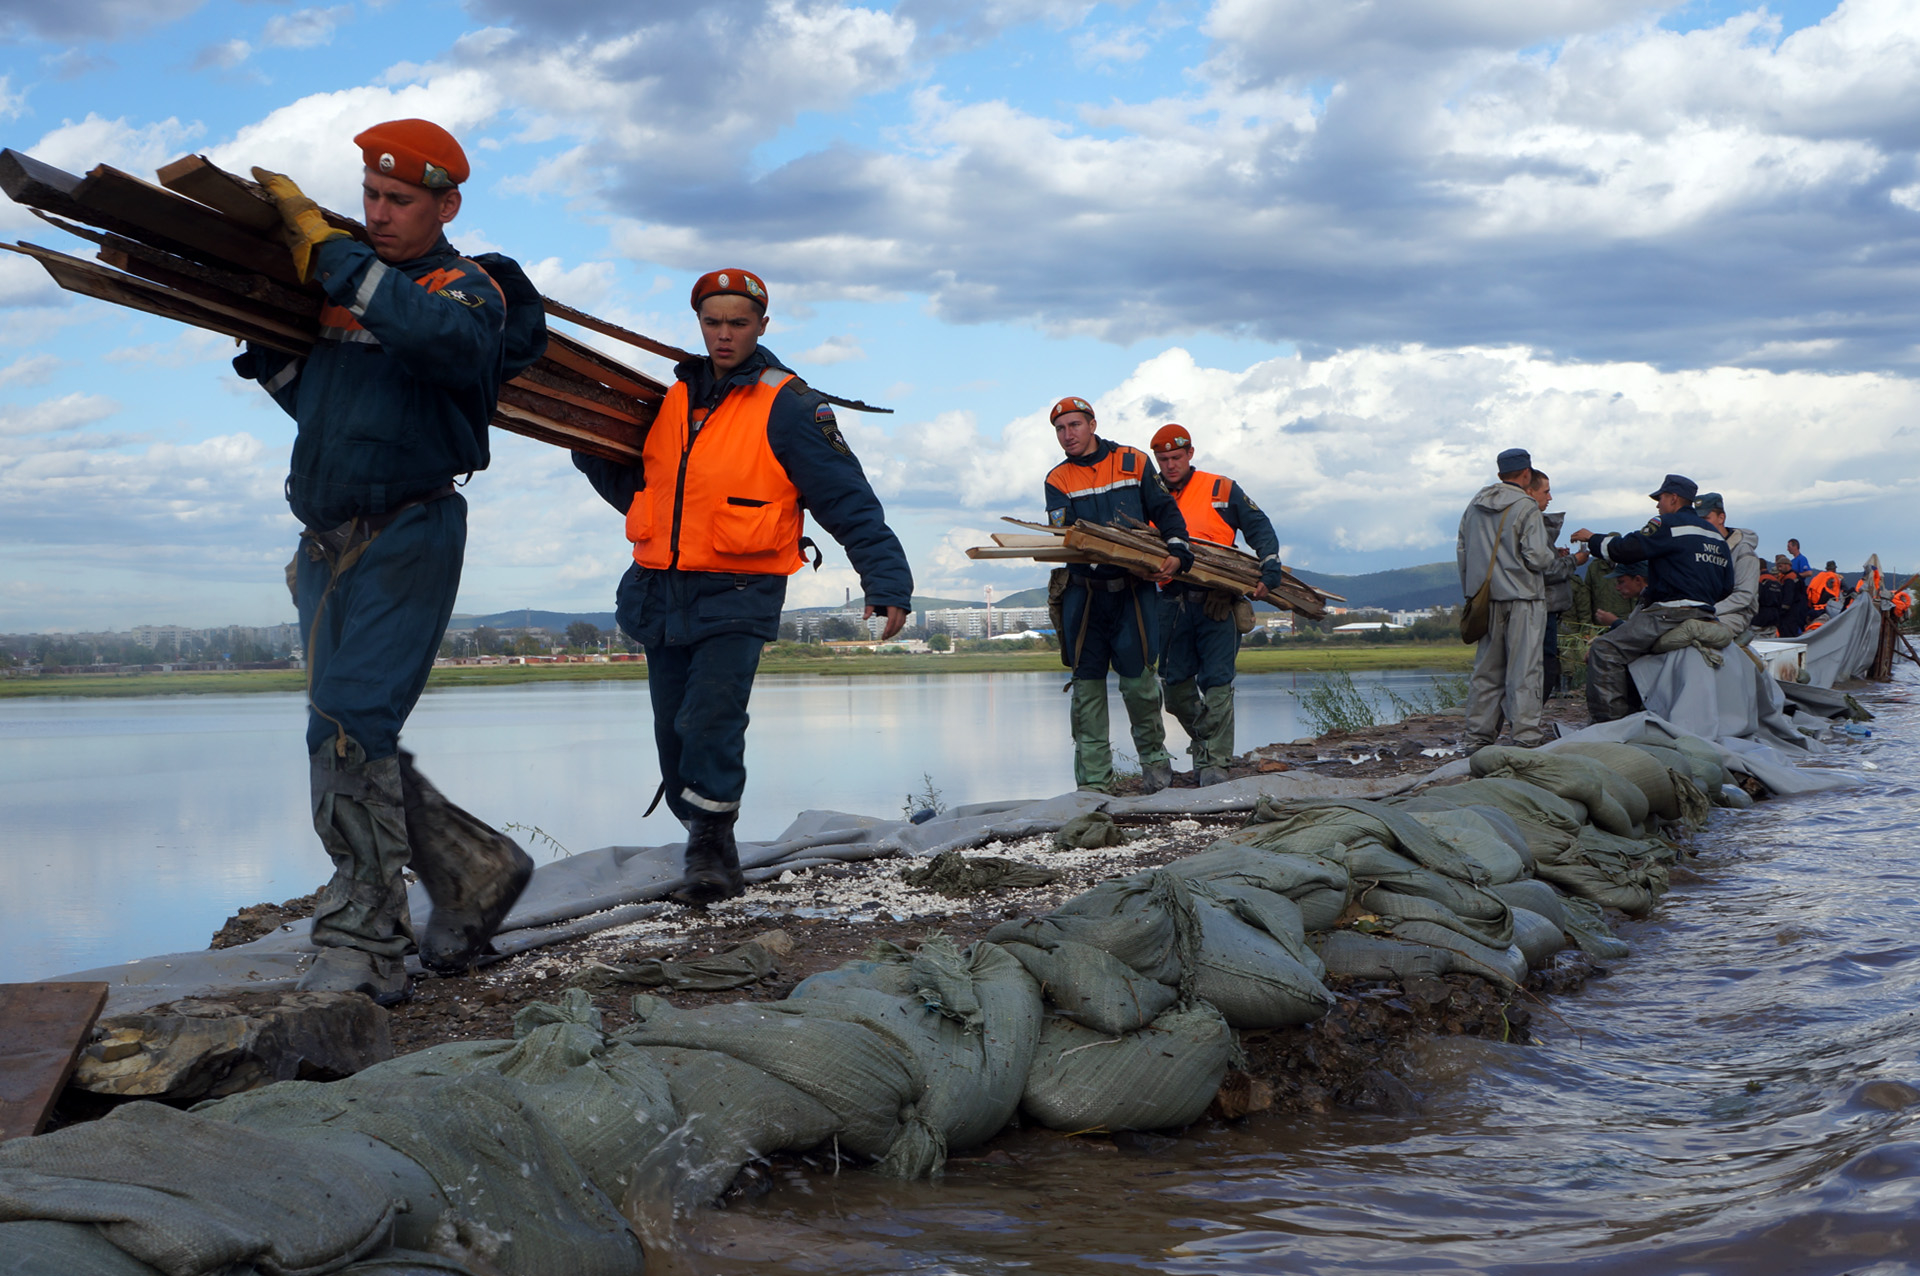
(739, 447)
(1110, 616)
(1690, 569)
(392, 405)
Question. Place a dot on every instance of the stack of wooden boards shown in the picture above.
(1214, 566)
(204, 247)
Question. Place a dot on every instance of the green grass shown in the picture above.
(1322, 657)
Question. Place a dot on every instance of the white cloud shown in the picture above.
(304, 28)
(840, 349)
(88, 19)
(52, 416)
(583, 287)
(30, 370)
(223, 56)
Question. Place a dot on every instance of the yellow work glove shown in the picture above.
(307, 226)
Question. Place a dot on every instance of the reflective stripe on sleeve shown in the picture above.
(368, 284)
(279, 380)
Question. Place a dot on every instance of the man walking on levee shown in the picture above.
(1200, 627)
(391, 406)
(739, 448)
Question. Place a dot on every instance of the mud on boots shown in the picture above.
(472, 872)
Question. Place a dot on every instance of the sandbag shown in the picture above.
(1732, 795)
(1535, 896)
(1374, 868)
(1504, 966)
(1318, 886)
(1528, 804)
(1362, 956)
(882, 976)
(1395, 907)
(1614, 872)
(1537, 938)
(42, 1248)
(865, 1079)
(1130, 918)
(191, 1194)
(1470, 833)
(1255, 978)
(474, 1135)
(1587, 927)
(1092, 987)
(604, 1100)
(1612, 802)
(1162, 1076)
(1637, 766)
(1318, 827)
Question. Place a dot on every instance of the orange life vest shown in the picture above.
(1824, 586)
(734, 511)
(1202, 503)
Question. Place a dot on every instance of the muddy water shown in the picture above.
(1738, 1097)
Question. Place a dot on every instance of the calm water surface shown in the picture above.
(1737, 1098)
(135, 827)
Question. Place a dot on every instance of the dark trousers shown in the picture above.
(1109, 628)
(1550, 669)
(699, 692)
(373, 629)
(1193, 646)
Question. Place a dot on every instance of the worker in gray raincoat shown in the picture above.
(1503, 545)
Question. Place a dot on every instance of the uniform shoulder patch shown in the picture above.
(466, 299)
(1653, 525)
(830, 429)
(1057, 518)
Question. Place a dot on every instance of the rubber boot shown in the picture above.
(472, 872)
(712, 861)
(362, 911)
(1092, 751)
(1184, 703)
(1216, 724)
(1141, 695)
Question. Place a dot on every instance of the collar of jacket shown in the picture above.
(702, 389)
(1102, 449)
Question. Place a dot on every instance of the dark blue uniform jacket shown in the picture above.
(395, 398)
(673, 606)
(1143, 497)
(1687, 560)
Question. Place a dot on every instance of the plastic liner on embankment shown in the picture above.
(1115, 1011)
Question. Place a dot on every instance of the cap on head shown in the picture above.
(1630, 569)
(1070, 404)
(1171, 438)
(1676, 485)
(730, 283)
(416, 151)
(1513, 460)
(1709, 502)
(1782, 561)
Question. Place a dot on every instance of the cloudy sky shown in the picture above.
(1356, 247)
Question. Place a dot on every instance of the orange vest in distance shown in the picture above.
(1202, 501)
(737, 509)
(1823, 587)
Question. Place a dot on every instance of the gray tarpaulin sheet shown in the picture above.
(1843, 648)
(613, 885)
(1738, 701)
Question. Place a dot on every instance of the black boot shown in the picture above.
(473, 874)
(713, 861)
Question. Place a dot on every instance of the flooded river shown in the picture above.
(135, 827)
(1738, 1097)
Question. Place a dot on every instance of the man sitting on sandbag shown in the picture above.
(1689, 571)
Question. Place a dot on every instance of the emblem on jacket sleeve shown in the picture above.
(830, 429)
(466, 299)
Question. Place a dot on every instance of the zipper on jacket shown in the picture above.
(680, 484)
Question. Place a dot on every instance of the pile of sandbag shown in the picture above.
(1114, 1011)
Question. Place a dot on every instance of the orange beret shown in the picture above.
(1170, 438)
(1070, 404)
(416, 151)
(730, 283)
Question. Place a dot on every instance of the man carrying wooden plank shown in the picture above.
(740, 446)
(1200, 628)
(1110, 616)
(391, 406)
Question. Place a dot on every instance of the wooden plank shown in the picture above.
(1018, 540)
(199, 231)
(1037, 555)
(587, 422)
(241, 198)
(608, 371)
(137, 294)
(42, 1028)
(583, 393)
(214, 298)
(43, 187)
(534, 426)
(257, 287)
(593, 323)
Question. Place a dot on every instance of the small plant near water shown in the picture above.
(536, 834)
(927, 799)
(1335, 704)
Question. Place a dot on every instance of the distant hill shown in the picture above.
(1401, 589)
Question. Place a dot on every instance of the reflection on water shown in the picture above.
(1739, 1097)
(136, 827)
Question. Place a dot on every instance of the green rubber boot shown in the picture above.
(1216, 726)
(1141, 695)
(1189, 710)
(1092, 753)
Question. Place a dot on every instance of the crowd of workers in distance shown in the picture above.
(392, 405)
(1685, 578)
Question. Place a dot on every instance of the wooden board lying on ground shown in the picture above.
(42, 1028)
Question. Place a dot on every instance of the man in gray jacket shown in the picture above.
(1736, 610)
(1559, 580)
(1503, 544)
